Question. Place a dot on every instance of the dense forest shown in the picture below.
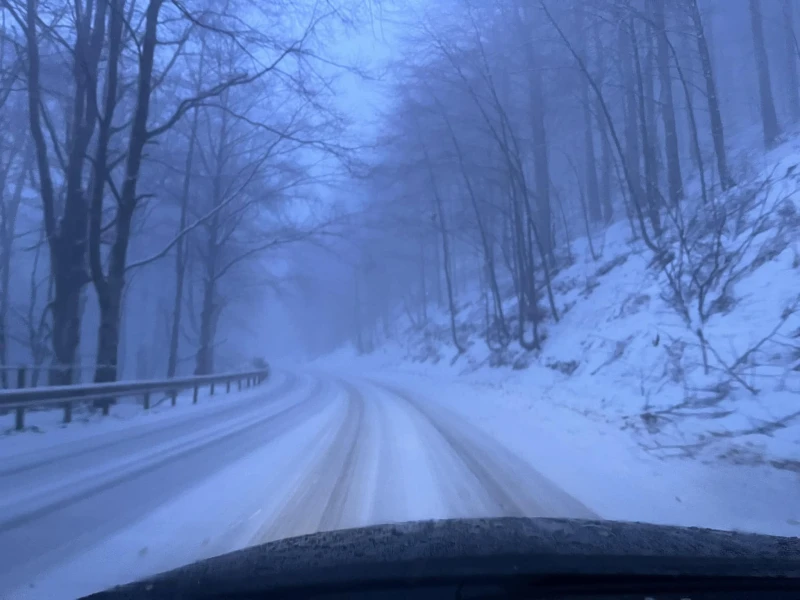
(189, 184)
(153, 154)
(514, 128)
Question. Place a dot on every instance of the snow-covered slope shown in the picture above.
(693, 370)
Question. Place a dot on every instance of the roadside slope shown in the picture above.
(709, 372)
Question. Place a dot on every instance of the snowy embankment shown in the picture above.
(677, 379)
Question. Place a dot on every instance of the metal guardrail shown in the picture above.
(26, 376)
(66, 396)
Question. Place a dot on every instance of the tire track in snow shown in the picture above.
(335, 515)
(514, 486)
(388, 456)
(318, 498)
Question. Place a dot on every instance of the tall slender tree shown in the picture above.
(792, 85)
(674, 177)
(590, 160)
(717, 130)
(769, 118)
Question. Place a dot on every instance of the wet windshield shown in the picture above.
(273, 268)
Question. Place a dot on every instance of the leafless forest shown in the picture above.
(188, 184)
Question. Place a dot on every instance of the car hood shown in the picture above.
(461, 547)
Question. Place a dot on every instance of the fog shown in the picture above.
(213, 182)
(438, 259)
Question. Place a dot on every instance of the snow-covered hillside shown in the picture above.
(695, 352)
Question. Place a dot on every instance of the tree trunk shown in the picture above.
(209, 314)
(690, 84)
(442, 227)
(180, 255)
(108, 334)
(360, 346)
(541, 166)
(109, 288)
(111, 298)
(437, 275)
(524, 273)
(66, 236)
(36, 323)
(590, 160)
(204, 364)
(652, 194)
(632, 152)
(674, 178)
(423, 282)
(482, 229)
(792, 83)
(8, 219)
(66, 324)
(607, 163)
(649, 69)
(694, 137)
(717, 131)
(446, 260)
(769, 118)
(628, 177)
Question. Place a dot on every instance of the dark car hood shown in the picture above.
(499, 546)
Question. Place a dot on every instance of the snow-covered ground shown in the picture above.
(323, 451)
(596, 461)
(334, 447)
(650, 425)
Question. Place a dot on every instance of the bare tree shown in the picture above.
(674, 177)
(792, 85)
(67, 232)
(769, 118)
(590, 161)
(9, 207)
(717, 131)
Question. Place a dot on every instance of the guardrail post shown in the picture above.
(211, 390)
(19, 417)
(106, 407)
(228, 386)
(68, 412)
(147, 400)
(173, 397)
(194, 395)
(239, 383)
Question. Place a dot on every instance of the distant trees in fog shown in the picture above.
(518, 125)
(152, 153)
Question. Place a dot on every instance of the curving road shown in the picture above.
(302, 453)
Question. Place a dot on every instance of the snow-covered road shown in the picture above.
(306, 452)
